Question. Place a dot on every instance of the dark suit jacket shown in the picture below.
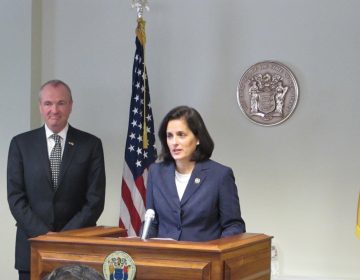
(36, 207)
(209, 208)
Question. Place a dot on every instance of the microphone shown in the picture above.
(149, 217)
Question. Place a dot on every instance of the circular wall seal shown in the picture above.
(267, 93)
(119, 265)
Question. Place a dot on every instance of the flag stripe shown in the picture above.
(137, 190)
(141, 188)
(134, 214)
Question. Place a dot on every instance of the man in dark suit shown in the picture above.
(43, 197)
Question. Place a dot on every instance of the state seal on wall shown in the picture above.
(267, 93)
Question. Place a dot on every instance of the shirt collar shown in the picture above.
(62, 133)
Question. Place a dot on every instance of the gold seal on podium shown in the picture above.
(119, 266)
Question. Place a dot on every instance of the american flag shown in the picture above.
(140, 150)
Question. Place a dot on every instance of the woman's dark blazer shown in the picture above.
(209, 208)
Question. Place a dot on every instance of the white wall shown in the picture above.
(298, 181)
(15, 83)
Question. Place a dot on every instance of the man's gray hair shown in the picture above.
(56, 83)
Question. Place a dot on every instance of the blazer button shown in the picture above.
(179, 227)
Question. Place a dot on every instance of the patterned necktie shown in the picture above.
(55, 160)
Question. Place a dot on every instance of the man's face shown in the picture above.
(55, 106)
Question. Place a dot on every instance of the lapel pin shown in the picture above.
(197, 180)
(71, 143)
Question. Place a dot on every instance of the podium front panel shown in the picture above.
(245, 256)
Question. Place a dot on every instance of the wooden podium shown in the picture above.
(243, 256)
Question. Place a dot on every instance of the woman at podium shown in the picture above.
(194, 198)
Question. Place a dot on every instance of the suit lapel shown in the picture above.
(42, 147)
(69, 151)
(169, 190)
(197, 178)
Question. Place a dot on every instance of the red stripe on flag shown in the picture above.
(134, 215)
(141, 187)
(121, 225)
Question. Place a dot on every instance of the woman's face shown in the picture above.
(180, 140)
